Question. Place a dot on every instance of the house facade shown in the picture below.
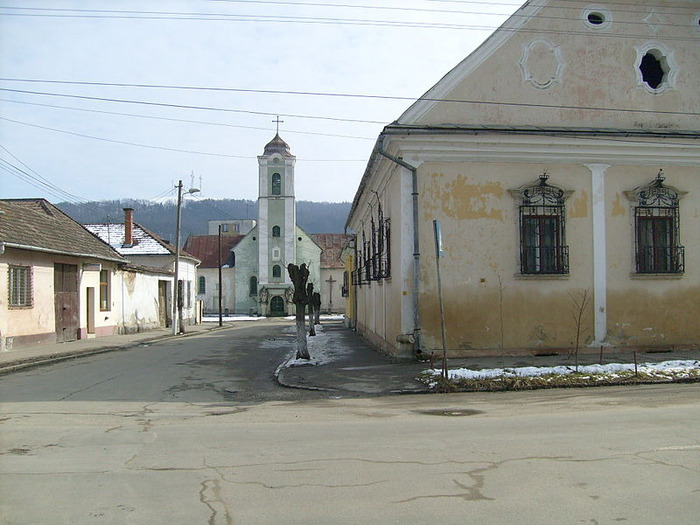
(559, 167)
(149, 277)
(60, 283)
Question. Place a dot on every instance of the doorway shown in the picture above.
(277, 306)
(65, 285)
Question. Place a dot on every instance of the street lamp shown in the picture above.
(177, 292)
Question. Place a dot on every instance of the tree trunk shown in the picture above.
(316, 301)
(310, 294)
(299, 276)
(302, 347)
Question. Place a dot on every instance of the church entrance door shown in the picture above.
(276, 306)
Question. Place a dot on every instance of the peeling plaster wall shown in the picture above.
(659, 309)
(483, 290)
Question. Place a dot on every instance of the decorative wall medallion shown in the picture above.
(541, 64)
(654, 21)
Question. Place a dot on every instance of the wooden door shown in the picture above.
(66, 301)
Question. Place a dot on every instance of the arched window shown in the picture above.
(277, 271)
(275, 231)
(276, 184)
(543, 248)
(201, 285)
(253, 286)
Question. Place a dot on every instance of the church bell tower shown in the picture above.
(276, 223)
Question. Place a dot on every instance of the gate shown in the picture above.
(65, 285)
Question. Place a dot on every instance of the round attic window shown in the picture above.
(596, 18)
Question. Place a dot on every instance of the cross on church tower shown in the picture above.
(277, 120)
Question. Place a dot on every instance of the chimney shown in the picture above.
(128, 226)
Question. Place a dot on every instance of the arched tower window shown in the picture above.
(276, 184)
(253, 286)
(275, 231)
(201, 285)
(276, 271)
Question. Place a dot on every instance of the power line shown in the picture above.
(182, 106)
(38, 181)
(159, 15)
(317, 94)
(163, 148)
(187, 121)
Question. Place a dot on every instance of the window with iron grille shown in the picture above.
(657, 228)
(543, 248)
(373, 257)
(202, 285)
(20, 286)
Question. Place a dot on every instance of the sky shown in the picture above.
(121, 99)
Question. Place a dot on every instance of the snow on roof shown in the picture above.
(144, 243)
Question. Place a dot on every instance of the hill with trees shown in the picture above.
(312, 217)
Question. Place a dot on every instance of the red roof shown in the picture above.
(206, 248)
(331, 244)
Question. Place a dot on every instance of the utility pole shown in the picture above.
(221, 319)
(178, 327)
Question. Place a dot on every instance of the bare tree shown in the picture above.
(316, 302)
(310, 295)
(299, 275)
(579, 303)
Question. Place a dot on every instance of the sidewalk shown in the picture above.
(36, 355)
(341, 362)
(354, 367)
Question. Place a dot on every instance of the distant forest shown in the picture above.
(312, 217)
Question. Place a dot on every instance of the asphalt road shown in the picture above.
(158, 436)
(233, 365)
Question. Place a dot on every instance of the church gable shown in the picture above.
(566, 64)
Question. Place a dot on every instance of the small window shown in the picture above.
(224, 227)
(657, 229)
(543, 249)
(275, 231)
(253, 288)
(276, 271)
(201, 285)
(105, 290)
(20, 286)
(276, 184)
(654, 68)
(595, 18)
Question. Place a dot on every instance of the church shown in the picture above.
(255, 256)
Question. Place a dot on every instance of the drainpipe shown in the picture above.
(416, 245)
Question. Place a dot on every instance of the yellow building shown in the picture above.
(562, 162)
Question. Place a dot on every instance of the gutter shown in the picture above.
(4, 245)
(379, 148)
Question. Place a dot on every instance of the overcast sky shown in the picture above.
(77, 149)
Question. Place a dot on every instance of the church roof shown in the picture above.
(332, 245)
(277, 145)
(206, 248)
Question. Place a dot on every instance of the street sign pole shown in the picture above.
(439, 253)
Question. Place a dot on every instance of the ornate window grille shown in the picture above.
(543, 248)
(374, 257)
(657, 228)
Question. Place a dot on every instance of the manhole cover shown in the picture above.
(450, 412)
